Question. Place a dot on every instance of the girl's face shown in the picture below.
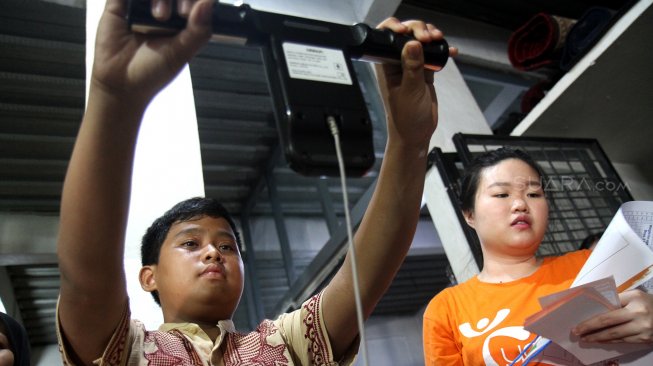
(510, 212)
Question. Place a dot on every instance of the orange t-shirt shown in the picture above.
(478, 323)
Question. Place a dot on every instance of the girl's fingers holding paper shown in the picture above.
(632, 324)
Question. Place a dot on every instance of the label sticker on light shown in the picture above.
(316, 63)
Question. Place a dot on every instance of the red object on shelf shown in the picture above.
(539, 41)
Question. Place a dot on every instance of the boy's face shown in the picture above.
(199, 276)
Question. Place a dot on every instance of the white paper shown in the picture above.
(316, 63)
(623, 250)
(563, 310)
(606, 287)
(556, 355)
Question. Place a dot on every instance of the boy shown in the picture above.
(198, 273)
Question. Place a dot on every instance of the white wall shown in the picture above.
(458, 110)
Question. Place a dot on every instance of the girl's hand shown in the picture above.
(631, 324)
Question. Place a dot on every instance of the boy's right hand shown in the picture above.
(408, 89)
(136, 66)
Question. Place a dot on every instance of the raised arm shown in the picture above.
(387, 229)
(128, 71)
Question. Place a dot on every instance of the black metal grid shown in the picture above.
(583, 188)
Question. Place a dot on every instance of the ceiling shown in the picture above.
(41, 104)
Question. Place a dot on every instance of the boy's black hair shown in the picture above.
(183, 211)
(472, 175)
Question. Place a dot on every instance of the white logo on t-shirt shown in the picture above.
(484, 326)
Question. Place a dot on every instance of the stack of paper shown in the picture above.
(622, 260)
(564, 309)
(625, 249)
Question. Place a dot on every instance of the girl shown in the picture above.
(480, 322)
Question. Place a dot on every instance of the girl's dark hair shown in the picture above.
(183, 211)
(590, 240)
(472, 175)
